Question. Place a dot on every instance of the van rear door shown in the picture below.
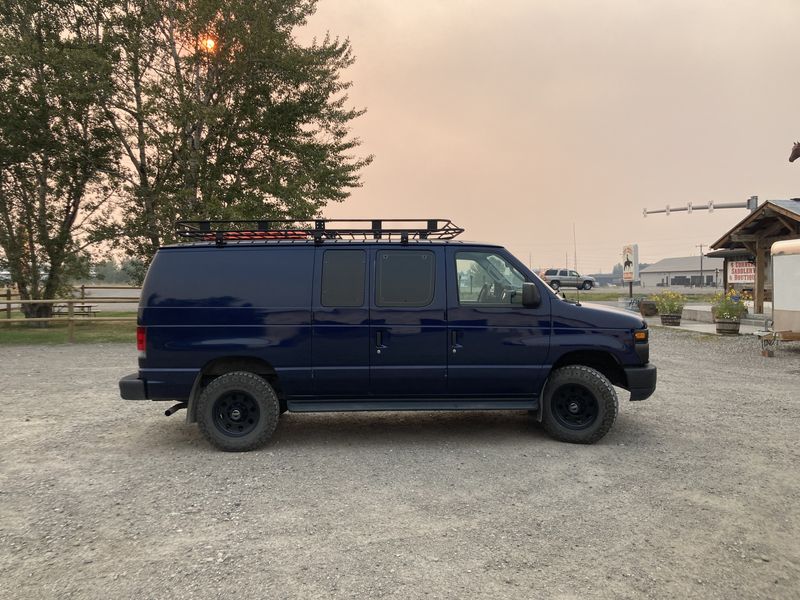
(340, 347)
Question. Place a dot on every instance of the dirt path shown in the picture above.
(693, 494)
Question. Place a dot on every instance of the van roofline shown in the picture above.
(328, 242)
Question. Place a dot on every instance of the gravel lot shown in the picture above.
(694, 493)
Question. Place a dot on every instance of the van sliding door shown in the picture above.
(408, 331)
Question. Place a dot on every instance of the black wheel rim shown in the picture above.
(236, 413)
(574, 406)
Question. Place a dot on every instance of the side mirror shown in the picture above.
(531, 298)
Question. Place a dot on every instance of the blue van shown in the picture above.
(250, 319)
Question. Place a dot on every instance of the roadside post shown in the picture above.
(71, 323)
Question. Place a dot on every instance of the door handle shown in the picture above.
(379, 341)
(454, 345)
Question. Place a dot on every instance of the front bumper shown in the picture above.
(641, 381)
(133, 388)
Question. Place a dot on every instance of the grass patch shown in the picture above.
(87, 331)
(606, 296)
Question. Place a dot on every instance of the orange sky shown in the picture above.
(518, 118)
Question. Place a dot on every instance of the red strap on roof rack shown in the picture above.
(319, 230)
(257, 235)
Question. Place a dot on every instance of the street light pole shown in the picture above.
(701, 263)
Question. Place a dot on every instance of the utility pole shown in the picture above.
(702, 282)
(574, 248)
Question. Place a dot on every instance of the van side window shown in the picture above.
(405, 278)
(487, 278)
(343, 278)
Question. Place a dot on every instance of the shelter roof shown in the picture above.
(772, 221)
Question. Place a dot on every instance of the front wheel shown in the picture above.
(587, 285)
(579, 405)
(238, 411)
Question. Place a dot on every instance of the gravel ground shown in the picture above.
(693, 494)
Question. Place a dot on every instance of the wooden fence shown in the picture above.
(72, 316)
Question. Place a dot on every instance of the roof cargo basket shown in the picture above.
(318, 230)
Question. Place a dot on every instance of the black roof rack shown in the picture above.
(318, 230)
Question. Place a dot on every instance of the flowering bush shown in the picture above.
(669, 303)
(730, 304)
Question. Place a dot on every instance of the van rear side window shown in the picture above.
(230, 277)
(405, 278)
(343, 277)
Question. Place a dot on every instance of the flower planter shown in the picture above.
(671, 320)
(727, 326)
(648, 308)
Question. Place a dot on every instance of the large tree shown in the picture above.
(223, 113)
(57, 153)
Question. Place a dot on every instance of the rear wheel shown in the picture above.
(579, 405)
(238, 411)
(555, 285)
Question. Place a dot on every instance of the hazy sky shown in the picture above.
(518, 118)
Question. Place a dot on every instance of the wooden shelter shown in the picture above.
(750, 240)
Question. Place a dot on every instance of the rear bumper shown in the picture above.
(641, 381)
(132, 388)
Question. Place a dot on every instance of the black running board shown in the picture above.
(421, 404)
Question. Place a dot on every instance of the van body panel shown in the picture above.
(496, 351)
(408, 343)
(597, 328)
(200, 304)
(340, 347)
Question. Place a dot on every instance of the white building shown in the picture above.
(684, 271)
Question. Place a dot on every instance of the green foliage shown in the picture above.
(115, 121)
(57, 154)
(256, 128)
(730, 304)
(110, 271)
(57, 332)
(669, 302)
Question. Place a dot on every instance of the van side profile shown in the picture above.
(252, 319)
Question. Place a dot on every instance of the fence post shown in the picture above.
(83, 291)
(8, 306)
(71, 320)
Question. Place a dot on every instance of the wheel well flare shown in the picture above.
(600, 361)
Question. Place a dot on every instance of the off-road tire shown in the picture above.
(587, 285)
(588, 386)
(555, 285)
(257, 395)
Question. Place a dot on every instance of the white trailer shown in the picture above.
(786, 287)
